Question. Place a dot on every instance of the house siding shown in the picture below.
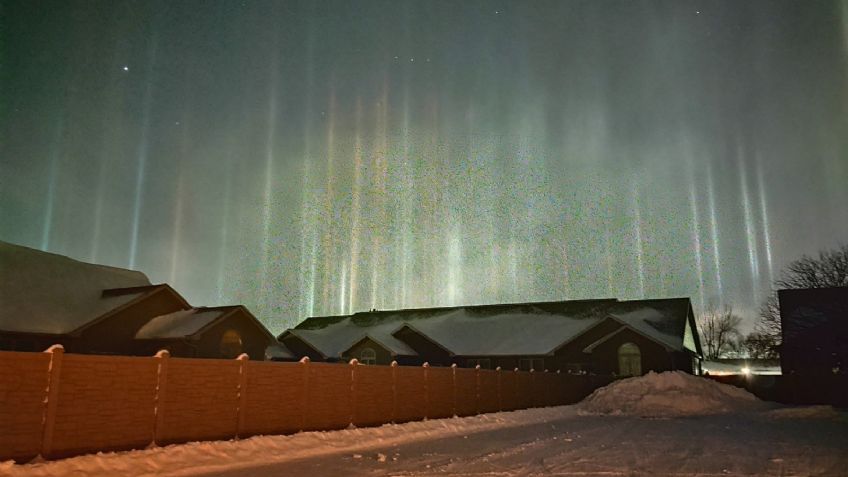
(654, 357)
(384, 357)
(300, 349)
(254, 340)
(430, 352)
(571, 357)
(115, 334)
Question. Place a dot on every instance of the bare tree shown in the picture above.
(767, 326)
(828, 269)
(719, 331)
(758, 346)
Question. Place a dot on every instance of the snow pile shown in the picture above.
(669, 394)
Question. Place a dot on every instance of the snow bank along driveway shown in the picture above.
(734, 434)
(670, 394)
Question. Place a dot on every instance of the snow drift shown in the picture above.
(669, 394)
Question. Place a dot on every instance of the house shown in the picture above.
(214, 332)
(814, 325)
(48, 299)
(598, 336)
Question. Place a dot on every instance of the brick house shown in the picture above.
(48, 299)
(598, 336)
(814, 325)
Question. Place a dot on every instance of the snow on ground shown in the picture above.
(670, 394)
(749, 438)
(198, 457)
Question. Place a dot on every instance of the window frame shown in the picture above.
(629, 356)
(371, 360)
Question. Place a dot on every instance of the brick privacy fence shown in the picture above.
(57, 405)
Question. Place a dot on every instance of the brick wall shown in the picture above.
(410, 387)
(199, 400)
(104, 403)
(23, 382)
(274, 398)
(439, 395)
(55, 404)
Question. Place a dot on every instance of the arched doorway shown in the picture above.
(629, 360)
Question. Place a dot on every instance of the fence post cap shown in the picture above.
(305, 360)
(243, 357)
(163, 353)
(353, 362)
(56, 348)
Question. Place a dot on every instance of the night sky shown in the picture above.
(307, 158)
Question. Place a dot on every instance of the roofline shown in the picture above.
(499, 355)
(126, 290)
(696, 334)
(423, 335)
(593, 323)
(212, 323)
(477, 306)
(640, 333)
(369, 337)
(232, 310)
(624, 327)
(153, 289)
(291, 331)
(649, 300)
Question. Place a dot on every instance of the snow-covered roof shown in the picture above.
(336, 338)
(179, 324)
(43, 292)
(498, 330)
(650, 322)
(518, 332)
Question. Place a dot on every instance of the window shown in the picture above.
(629, 360)
(230, 345)
(484, 363)
(536, 364)
(368, 356)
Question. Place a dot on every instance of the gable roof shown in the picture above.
(42, 292)
(191, 322)
(506, 329)
(395, 346)
(338, 336)
(509, 332)
(179, 324)
(663, 321)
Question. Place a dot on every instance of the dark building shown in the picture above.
(595, 336)
(48, 299)
(814, 324)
